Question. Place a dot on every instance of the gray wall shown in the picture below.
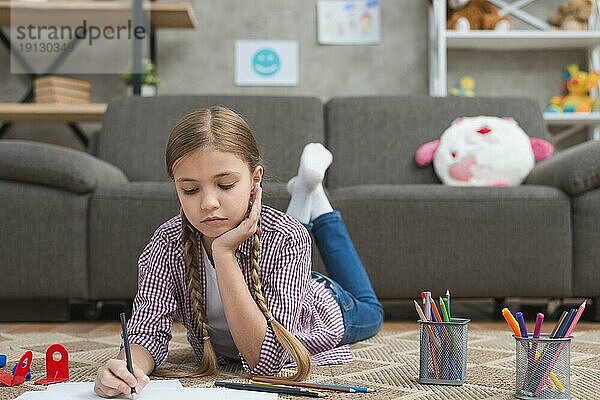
(201, 61)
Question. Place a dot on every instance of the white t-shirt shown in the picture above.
(220, 336)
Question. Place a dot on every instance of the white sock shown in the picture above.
(314, 161)
(320, 203)
(300, 203)
(318, 199)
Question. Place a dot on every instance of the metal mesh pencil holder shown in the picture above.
(543, 368)
(443, 352)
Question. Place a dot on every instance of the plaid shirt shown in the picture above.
(303, 306)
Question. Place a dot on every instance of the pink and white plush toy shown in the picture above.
(483, 151)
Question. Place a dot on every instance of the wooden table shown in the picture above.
(178, 15)
(162, 15)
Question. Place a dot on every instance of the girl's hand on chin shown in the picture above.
(229, 241)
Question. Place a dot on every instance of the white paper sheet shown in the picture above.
(156, 390)
(73, 387)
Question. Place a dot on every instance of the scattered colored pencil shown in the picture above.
(269, 389)
(311, 385)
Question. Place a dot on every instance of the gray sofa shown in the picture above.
(74, 224)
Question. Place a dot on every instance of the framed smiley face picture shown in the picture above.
(266, 63)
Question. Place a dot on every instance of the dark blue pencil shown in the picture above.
(126, 346)
(566, 323)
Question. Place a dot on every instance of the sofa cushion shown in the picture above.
(586, 252)
(374, 139)
(479, 242)
(574, 170)
(43, 242)
(136, 130)
(55, 166)
(122, 221)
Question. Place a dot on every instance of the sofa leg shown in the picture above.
(93, 310)
(595, 309)
(34, 311)
(499, 304)
(553, 308)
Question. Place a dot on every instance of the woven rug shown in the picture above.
(388, 362)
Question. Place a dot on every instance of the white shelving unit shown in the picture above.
(540, 38)
(522, 40)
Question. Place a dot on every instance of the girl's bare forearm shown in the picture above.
(140, 357)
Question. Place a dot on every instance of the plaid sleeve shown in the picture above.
(154, 305)
(284, 290)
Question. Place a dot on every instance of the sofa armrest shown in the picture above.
(574, 170)
(56, 166)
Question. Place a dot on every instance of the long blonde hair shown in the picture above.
(226, 131)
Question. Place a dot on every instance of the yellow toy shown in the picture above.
(464, 88)
(576, 86)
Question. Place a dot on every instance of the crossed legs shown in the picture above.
(347, 278)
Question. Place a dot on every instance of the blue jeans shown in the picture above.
(348, 281)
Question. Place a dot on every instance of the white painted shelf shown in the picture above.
(521, 40)
(541, 37)
(564, 119)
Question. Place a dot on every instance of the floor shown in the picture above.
(481, 313)
(105, 327)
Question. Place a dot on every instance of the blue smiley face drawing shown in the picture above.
(266, 62)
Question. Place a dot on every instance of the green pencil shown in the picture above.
(447, 304)
(443, 310)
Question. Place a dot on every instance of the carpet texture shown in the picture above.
(388, 362)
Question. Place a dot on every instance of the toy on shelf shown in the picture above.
(576, 88)
(572, 15)
(483, 151)
(465, 87)
(56, 370)
(464, 15)
(22, 367)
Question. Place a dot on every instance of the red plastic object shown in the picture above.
(56, 371)
(20, 373)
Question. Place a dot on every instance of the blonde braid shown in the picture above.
(191, 255)
(289, 342)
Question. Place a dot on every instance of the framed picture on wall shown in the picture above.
(266, 63)
(348, 22)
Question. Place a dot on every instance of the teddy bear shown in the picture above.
(576, 88)
(572, 15)
(483, 151)
(464, 15)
